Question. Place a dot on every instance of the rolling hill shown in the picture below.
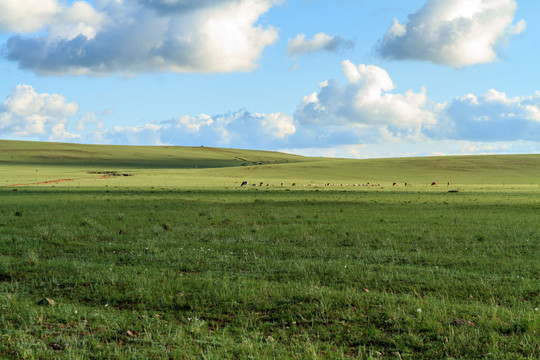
(43, 163)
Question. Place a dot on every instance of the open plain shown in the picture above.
(161, 253)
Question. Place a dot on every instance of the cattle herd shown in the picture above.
(246, 183)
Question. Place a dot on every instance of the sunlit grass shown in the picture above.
(178, 260)
(167, 273)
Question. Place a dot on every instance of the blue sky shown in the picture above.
(344, 78)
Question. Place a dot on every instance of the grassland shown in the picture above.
(31, 163)
(180, 262)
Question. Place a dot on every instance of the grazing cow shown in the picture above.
(434, 183)
(244, 183)
(395, 184)
(405, 184)
(293, 184)
(261, 184)
(448, 184)
(282, 184)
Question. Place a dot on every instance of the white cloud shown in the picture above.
(482, 148)
(27, 113)
(320, 42)
(359, 119)
(147, 134)
(27, 16)
(489, 117)
(455, 33)
(277, 124)
(60, 20)
(413, 149)
(193, 124)
(365, 111)
(239, 130)
(79, 19)
(59, 133)
(88, 121)
(365, 100)
(136, 36)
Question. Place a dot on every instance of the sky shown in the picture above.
(332, 78)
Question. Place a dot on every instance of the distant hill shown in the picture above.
(29, 162)
(134, 157)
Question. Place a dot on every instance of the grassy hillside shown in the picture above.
(133, 157)
(495, 169)
(32, 163)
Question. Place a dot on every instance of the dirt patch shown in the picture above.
(42, 182)
(105, 175)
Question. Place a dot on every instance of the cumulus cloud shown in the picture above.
(278, 125)
(240, 129)
(359, 119)
(365, 100)
(26, 113)
(483, 148)
(455, 33)
(411, 149)
(134, 36)
(320, 42)
(88, 122)
(27, 16)
(78, 19)
(60, 20)
(365, 111)
(489, 117)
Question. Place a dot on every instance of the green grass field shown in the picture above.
(178, 261)
(29, 163)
